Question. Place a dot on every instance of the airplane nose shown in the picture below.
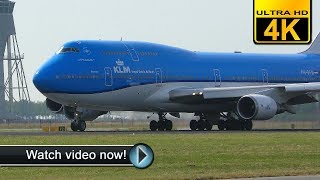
(45, 78)
(41, 81)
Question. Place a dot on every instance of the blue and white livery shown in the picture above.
(86, 79)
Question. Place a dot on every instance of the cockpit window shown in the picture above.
(67, 50)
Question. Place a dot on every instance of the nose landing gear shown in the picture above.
(77, 124)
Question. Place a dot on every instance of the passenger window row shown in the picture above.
(78, 77)
(128, 53)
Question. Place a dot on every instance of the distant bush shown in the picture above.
(25, 108)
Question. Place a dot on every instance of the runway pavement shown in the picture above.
(70, 133)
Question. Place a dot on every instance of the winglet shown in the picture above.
(315, 47)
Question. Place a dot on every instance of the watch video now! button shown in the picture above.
(141, 156)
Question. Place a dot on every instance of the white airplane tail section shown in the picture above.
(315, 47)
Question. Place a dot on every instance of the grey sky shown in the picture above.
(202, 25)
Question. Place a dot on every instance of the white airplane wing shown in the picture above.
(290, 93)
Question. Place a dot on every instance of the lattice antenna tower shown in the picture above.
(13, 85)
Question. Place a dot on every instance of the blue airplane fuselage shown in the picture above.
(104, 66)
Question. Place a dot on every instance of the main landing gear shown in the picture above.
(202, 124)
(162, 125)
(225, 122)
(77, 124)
(231, 122)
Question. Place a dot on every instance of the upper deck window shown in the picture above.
(67, 50)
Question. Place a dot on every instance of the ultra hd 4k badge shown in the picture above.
(282, 21)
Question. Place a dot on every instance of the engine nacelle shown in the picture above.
(54, 106)
(257, 107)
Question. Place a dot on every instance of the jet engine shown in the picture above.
(257, 107)
(54, 107)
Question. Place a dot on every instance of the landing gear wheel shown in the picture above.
(201, 125)
(161, 125)
(234, 125)
(74, 126)
(248, 125)
(208, 125)
(168, 124)
(193, 125)
(82, 126)
(222, 125)
(153, 125)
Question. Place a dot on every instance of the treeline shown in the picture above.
(25, 108)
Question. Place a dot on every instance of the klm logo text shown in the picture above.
(121, 69)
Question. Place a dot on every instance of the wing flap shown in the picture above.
(305, 87)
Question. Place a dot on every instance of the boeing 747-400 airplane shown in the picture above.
(86, 79)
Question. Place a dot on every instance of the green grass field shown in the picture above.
(188, 156)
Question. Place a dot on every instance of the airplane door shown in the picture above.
(132, 51)
(158, 76)
(265, 76)
(217, 77)
(108, 76)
